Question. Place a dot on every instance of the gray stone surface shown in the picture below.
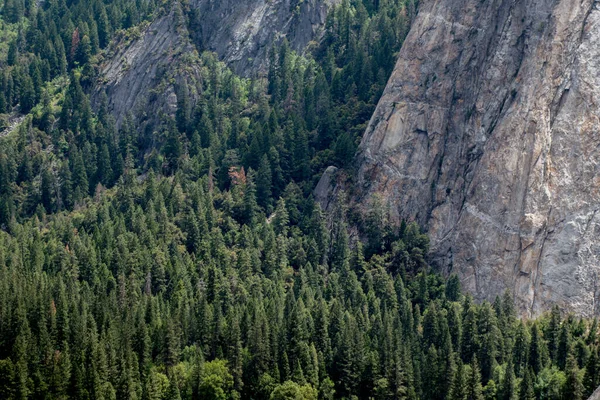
(325, 191)
(243, 31)
(595, 395)
(139, 74)
(488, 134)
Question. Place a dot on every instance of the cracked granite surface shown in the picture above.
(243, 32)
(488, 134)
(139, 75)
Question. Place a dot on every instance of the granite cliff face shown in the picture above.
(243, 31)
(139, 74)
(488, 134)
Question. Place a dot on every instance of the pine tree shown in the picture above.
(103, 26)
(469, 345)
(591, 377)
(172, 345)
(520, 349)
(48, 190)
(13, 52)
(474, 389)
(453, 288)
(235, 356)
(104, 170)
(79, 175)
(526, 388)
(490, 391)
(182, 116)
(173, 149)
(574, 386)
(536, 350)
(66, 186)
(28, 96)
(553, 333)
(13, 10)
(250, 206)
(281, 218)
(3, 102)
(564, 346)
(592, 333)
(300, 156)
(83, 51)
(7, 379)
(264, 183)
(508, 388)
(458, 390)
(173, 391)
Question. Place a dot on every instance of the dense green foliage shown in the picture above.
(307, 115)
(190, 262)
(161, 289)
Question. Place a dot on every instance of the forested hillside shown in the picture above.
(191, 262)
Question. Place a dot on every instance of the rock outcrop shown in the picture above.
(595, 395)
(325, 192)
(142, 68)
(242, 32)
(488, 134)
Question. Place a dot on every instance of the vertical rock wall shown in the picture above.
(488, 134)
(137, 73)
(243, 31)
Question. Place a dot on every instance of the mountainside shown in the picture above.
(160, 234)
(243, 32)
(140, 71)
(488, 135)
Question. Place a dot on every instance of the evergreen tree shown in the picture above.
(574, 386)
(124, 292)
(526, 391)
(564, 346)
(13, 52)
(553, 333)
(453, 288)
(173, 149)
(592, 373)
(79, 175)
(458, 390)
(28, 96)
(48, 189)
(508, 389)
(250, 206)
(264, 183)
(469, 345)
(536, 350)
(474, 389)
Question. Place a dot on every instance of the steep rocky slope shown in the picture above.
(140, 71)
(488, 134)
(243, 31)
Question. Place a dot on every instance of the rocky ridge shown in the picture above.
(243, 31)
(488, 134)
(139, 74)
(142, 69)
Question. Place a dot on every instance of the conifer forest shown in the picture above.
(190, 260)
